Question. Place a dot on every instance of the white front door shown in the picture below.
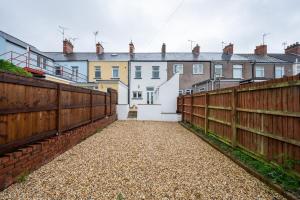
(150, 94)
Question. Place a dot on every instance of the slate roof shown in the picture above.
(262, 58)
(122, 56)
(20, 43)
(84, 56)
(286, 57)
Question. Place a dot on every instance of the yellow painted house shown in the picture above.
(108, 72)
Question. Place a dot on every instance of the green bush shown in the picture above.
(9, 67)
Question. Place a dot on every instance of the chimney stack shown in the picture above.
(99, 48)
(67, 47)
(131, 48)
(228, 49)
(294, 49)
(261, 50)
(163, 49)
(196, 50)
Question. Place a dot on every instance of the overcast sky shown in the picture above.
(149, 23)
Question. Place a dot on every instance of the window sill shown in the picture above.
(137, 78)
(137, 98)
(199, 74)
(115, 78)
(155, 78)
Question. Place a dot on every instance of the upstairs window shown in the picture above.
(297, 71)
(74, 71)
(97, 72)
(259, 71)
(138, 72)
(155, 72)
(218, 70)
(178, 68)
(279, 72)
(115, 72)
(58, 70)
(197, 68)
(237, 71)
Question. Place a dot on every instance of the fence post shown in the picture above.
(110, 102)
(192, 108)
(233, 116)
(105, 109)
(182, 108)
(58, 116)
(206, 113)
(91, 104)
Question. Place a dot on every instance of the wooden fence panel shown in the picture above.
(32, 109)
(262, 118)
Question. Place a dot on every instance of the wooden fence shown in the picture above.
(262, 118)
(32, 109)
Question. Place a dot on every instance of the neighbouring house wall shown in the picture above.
(146, 80)
(187, 79)
(228, 69)
(82, 67)
(168, 93)
(122, 93)
(2, 46)
(106, 70)
(122, 111)
(270, 69)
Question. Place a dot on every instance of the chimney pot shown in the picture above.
(228, 49)
(293, 49)
(67, 47)
(261, 50)
(196, 50)
(163, 49)
(131, 48)
(99, 48)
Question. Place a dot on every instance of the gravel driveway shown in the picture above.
(141, 160)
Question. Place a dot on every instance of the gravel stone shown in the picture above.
(141, 160)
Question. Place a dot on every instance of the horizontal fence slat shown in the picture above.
(271, 112)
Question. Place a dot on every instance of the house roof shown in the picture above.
(84, 56)
(20, 43)
(262, 58)
(286, 57)
(122, 56)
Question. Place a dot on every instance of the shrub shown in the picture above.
(9, 67)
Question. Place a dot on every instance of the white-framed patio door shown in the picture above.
(150, 95)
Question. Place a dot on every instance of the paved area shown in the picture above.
(141, 160)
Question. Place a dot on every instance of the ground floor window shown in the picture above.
(279, 72)
(137, 94)
(188, 91)
(259, 71)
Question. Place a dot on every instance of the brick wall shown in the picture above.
(33, 156)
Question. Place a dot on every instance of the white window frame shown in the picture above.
(181, 92)
(279, 69)
(140, 71)
(118, 71)
(198, 69)
(259, 69)
(138, 94)
(218, 66)
(176, 70)
(155, 71)
(75, 70)
(97, 69)
(238, 68)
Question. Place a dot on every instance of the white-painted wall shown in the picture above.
(149, 112)
(168, 93)
(122, 111)
(146, 81)
(122, 93)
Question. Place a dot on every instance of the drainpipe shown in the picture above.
(129, 71)
(253, 68)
